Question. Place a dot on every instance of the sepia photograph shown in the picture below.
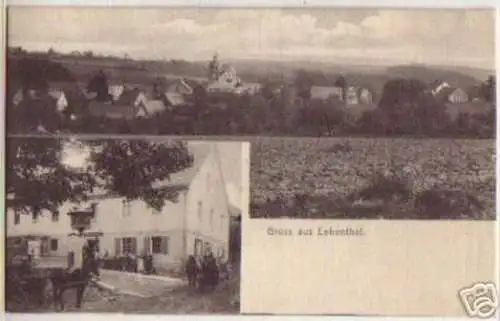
(123, 225)
(257, 72)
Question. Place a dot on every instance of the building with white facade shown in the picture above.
(199, 219)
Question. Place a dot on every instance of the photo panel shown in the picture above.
(396, 227)
(130, 225)
(258, 72)
(366, 139)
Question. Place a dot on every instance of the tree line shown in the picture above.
(405, 107)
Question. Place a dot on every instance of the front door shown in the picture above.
(94, 244)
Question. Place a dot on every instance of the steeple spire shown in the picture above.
(214, 68)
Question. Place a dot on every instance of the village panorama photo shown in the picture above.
(123, 225)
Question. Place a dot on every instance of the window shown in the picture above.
(129, 245)
(147, 245)
(55, 216)
(53, 244)
(160, 244)
(126, 208)
(200, 208)
(155, 211)
(17, 217)
(35, 218)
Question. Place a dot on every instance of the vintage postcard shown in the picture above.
(129, 226)
(367, 184)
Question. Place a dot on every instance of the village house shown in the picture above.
(60, 98)
(180, 86)
(365, 96)
(458, 96)
(226, 82)
(128, 105)
(326, 93)
(198, 221)
(65, 94)
(351, 96)
(18, 97)
(115, 91)
(450, 94)
(223, 79)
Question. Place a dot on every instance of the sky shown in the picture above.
(429, 36)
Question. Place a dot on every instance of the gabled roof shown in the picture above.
(73, 92)
(180, 86)
(320, 92)
(444, 93)
(115, 91)
(200, 152)
(174, 99)
(56, 93)
(150, 108)
(128, 97)
(18, 97)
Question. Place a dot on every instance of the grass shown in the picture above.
(373, 178)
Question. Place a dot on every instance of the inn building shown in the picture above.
(197, 221)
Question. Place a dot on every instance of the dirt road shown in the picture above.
(179, 301)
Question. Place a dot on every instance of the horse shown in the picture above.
(77, 279)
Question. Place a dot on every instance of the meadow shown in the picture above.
(399, 178)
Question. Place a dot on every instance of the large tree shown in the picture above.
(406, 108)
(303, 83)
(488, 89)
(38, 179)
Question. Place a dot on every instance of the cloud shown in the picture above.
(434, 36)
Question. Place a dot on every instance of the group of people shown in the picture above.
(203, 272)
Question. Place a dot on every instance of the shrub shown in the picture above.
(385, 187)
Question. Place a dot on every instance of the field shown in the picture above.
(326, 174)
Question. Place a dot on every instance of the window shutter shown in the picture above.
(134, 245)
(164, 245)
(118, 247)
(147, 244)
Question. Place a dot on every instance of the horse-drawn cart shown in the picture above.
(27, 277)
(31, 279)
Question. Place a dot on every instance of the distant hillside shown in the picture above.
(83, 67)
(478, 73)
(429, 74)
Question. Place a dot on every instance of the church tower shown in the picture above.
(214, 68)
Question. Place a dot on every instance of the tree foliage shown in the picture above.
(38, 180)
(131, 168)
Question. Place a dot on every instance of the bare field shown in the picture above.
(328, 170)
